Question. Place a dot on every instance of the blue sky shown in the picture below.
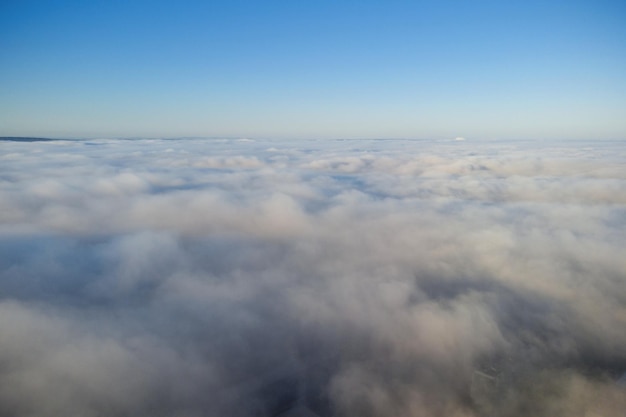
(358, 69)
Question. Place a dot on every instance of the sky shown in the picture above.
(373, 278)
(322, 69)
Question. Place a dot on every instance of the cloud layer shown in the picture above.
(339, 278)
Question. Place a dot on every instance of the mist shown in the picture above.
(339, 278)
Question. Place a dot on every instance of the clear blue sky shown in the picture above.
(300, 69)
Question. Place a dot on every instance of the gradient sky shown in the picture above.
(317, 69)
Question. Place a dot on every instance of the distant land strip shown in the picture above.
(24, 139)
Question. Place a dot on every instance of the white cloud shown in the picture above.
(192, 277)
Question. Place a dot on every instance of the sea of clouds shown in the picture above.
(339, 278)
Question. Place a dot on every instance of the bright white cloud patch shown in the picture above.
(347, 278)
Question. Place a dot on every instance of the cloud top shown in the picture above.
(338, 278)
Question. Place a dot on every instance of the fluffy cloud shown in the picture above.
(339, 278)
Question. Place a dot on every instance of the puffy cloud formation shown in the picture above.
(330, 278)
